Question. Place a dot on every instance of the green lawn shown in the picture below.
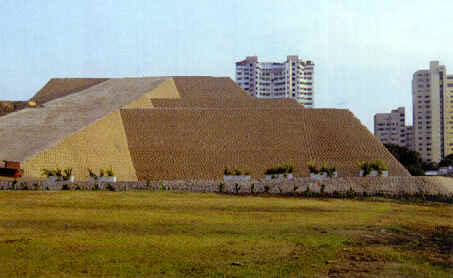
(165, 234)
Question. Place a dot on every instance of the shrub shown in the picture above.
(285, 168)
(101, 172)
(227, 171)
(266, 188)
(95, 187)
(24, 186)
(237, 188)
(312, 168)
(237, 172)
(325, 168)
(109, 172)
(247, 172)
(162, 187)
(77, 188)
(67, 173)
(365, 167)
(331, 171)
(379, 166)
(92, 174)
(65, 187)
(13, 185)
(368, 167)
(307, 191)
(47, 172)
(110, 187)
(252, 188)
(58, 172)
(221, 187)
(323, 188)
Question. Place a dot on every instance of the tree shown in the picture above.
(447, 161)
(411, 160)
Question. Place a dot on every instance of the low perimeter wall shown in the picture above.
(388, 185)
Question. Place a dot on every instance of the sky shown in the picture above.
(365, 51)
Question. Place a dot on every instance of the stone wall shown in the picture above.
(388, 185)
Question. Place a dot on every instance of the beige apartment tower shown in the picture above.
(292, 78)
(432, 100)
(390, 128)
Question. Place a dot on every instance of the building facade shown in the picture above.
(390, 128)
(409, 137)
(432, 100)
(293, 78)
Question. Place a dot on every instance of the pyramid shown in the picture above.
(167, 128)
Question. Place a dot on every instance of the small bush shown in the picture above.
(368, 167)
(252, 188)
(109, 172)
(266, 188)
(325, 168)
(237, 188)
(67, 173)
(92, 174)
(14, 185)
(285, 168)
(237, 172)
(47, 172)
(307, 191)
(110, 187)
(227, 171)
(65, 187)
(95, 187)
(221, 187)
(312, 168)
(58, 172)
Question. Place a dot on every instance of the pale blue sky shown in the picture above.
(365, 51)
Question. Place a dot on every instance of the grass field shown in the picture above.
(165, 234)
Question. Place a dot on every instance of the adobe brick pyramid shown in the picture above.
(167, 128)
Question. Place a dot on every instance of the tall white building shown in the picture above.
(432, 101)
(290, 79)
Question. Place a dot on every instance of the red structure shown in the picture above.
(11, 169)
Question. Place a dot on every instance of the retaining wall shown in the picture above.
(389, 185)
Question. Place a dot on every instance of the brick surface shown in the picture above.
(61, 87)
(215, 124)
(100, 145)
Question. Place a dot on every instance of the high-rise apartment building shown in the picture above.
(291, 79)
(432, 101)
(409, 137)
(390, 128)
